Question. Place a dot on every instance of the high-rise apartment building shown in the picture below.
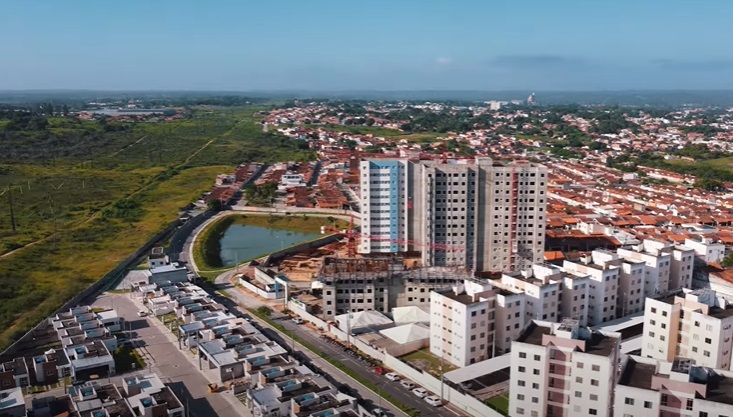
(562, 370)
(482, 215)
(603, 269)
(697, 325)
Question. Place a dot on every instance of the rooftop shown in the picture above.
(637, 374)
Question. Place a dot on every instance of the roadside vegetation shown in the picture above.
(86, 194)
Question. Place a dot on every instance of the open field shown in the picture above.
(88, 196)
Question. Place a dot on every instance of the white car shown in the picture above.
(378, 412)
(142, 313)
(297, 320)
(407, 384)
(420, 392)
(392, 376)
(434, 400)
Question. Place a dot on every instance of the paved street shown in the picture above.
(312, 337)
(172, 365)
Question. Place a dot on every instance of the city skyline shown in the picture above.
(379, 46)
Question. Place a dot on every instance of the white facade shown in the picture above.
(705, 250)
(603, 270)
(697, 325)
(462, 324)
(562, 369)
(658, 265)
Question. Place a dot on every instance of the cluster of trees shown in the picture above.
(612, 122)
(260, 196)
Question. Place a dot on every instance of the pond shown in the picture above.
(241, 242)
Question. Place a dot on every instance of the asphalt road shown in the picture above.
(170, 364)
(395, 389)
(313, 337)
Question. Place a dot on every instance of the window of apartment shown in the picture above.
(594, 382)
(579, 380)
(654, 310)
(592, 411)
(652, 322)
(595, 368)
(520, 411)
(520, 397)
(535, 400)
(708, 340)
(629, 401)
(647, 404)
(664, 400)
(535, 371)
(521, 369)
(521, 383)
(536, 357)
(535, 385)
(580, 365)
(703, 414)
(689, 404)
(578, 394)
(651, 334)
(594, 397)
(706, 353)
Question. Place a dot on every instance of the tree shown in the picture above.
(727, 261)
(214, 205)
(709, 184)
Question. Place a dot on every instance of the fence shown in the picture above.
(465, 402)
(106, 282)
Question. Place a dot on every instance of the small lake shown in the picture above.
(242, 242)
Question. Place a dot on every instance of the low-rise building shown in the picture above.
(697, 325)
(563, 369)
(462, 326)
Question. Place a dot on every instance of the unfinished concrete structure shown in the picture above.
(380, 284)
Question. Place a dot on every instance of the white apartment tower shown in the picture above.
(563, 370)
(603, 269)
(697, 325)
(462, 323)
(482, 215)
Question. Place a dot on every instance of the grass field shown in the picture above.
(500, 403)
(428, 362)
(68, 201)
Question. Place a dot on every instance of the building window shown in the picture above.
(536, 357)
(520, 383)
(595, 368)
(580, 365)
(629, 401)
(647, 404)
(520, 397)
(594, 382)
(536, 371)
(592, 411)
(578, 394)
(521, 369)
(535, 385)
(689, 404)
(520, 411)
(664, 400)
(594, 397)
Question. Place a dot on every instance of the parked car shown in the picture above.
(434, 400)
(392, 376)
(297, 320)
(378, 412)
(379, 370)
(407, 384)
(142, 313)
(420, 392)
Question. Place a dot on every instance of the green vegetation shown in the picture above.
(127, 359)
(500, 404)
(261, 196)
(86, 194)
(727, 261)
(428, 362)
(264, 313)
(207, 248)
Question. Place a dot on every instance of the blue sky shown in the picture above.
(373, 45)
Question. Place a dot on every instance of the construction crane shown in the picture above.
(352, 235)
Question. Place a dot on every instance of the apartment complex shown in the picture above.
(653, 388)
(380, 284)
(482, 215)
(462, 323)
(697, 325)
(563, 369)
